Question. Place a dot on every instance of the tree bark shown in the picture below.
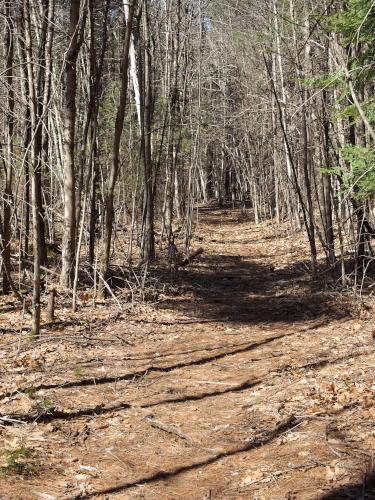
(76, 28)
(114, 168)
(148, 238)
(7, 195)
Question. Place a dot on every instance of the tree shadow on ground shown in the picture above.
(162, 475)
(363, 490)
(232, 288)
(226, 215)
(226, 287)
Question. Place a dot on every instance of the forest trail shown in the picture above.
(244, 379)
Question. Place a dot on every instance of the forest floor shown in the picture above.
(243, 379)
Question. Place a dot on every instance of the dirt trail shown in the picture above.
(245, 380)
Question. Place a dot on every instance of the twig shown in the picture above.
(172, 429)
(109, 289)
(279, 473)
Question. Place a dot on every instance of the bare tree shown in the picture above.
(114, 167)
(76, 33)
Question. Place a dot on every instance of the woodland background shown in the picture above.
(119, 118)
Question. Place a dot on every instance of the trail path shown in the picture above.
(244, 380)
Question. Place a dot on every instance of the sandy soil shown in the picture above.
(244, 379)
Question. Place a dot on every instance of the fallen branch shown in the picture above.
(17, 294)
(172, 429)
(191, 257)
(30, 263)
(279, 473)
(258, 442)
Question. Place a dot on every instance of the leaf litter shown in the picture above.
(244, 379)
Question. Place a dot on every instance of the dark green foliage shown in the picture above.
(356, 22)
(355, 27)
(360, 180)
(44, 406)
(19, 461)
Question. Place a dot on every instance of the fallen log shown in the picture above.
(191, 257)
(31, 263)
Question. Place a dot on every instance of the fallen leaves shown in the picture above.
(335, 473)
(252, 478)
(322, 372)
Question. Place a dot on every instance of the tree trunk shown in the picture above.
(148, 246)
(7, 196)
(69, 119)
(113, 172)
